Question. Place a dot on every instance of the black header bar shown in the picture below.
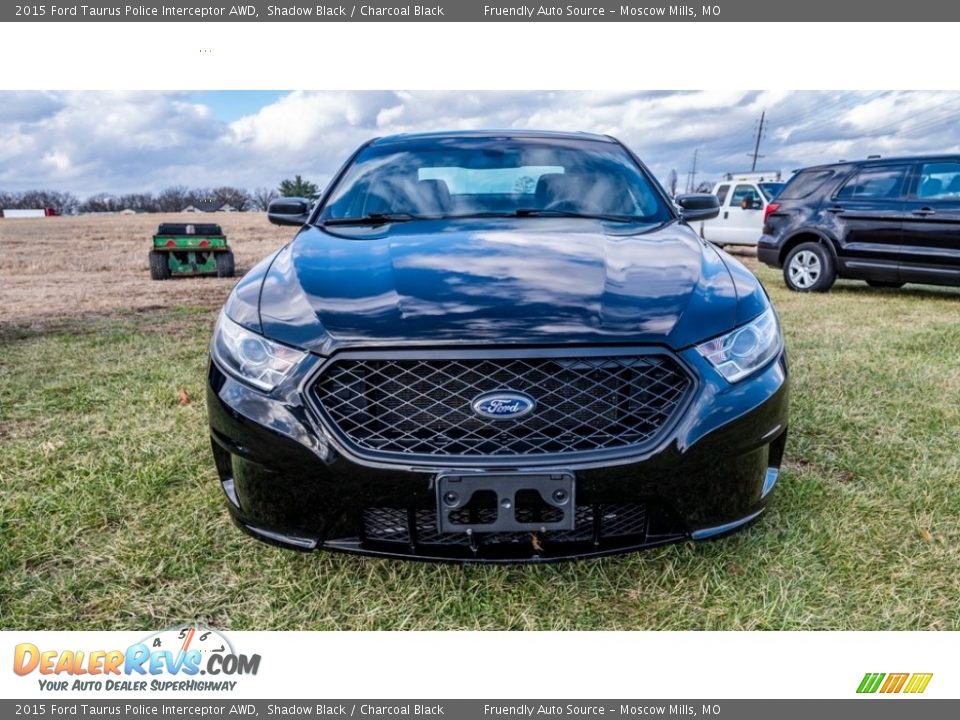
(486, 11)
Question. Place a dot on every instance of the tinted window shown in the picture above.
(876, 183)
(741, 193)
(463, 176)
(939, 181)
(770, 190)
(722, 193)
(804, 184)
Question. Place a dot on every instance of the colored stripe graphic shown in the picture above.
(870, 682)
(894, 683)
(918, 682)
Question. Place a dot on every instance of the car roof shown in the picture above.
(880, 161)
(492, 134)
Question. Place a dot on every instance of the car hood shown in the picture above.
(523, 281)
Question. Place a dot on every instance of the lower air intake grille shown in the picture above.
(419, 527)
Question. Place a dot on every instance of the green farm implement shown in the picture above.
(188, 249)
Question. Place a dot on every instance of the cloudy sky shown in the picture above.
(92, 142)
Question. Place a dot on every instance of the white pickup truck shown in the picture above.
(743, 200)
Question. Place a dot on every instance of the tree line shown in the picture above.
(172, 199)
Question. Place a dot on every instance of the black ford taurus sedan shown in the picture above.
(496, 346)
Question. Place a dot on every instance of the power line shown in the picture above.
(843, 102)
(928, 122)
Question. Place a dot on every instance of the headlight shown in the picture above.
(251, 357)
(746, 349)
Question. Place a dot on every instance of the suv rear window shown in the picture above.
(804, 184)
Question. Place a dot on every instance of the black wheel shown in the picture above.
(159, 267)
(224, 263)
(809, 268)
(884, 284)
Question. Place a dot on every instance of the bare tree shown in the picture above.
(63, 203)
(173, 199)
(236, 197)
(672, 180)
(262, 197)
(195, 196)
(101, 203)
(138, 202)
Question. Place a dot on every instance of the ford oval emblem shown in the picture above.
(504, 405)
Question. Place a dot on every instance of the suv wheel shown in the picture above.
(809, 268)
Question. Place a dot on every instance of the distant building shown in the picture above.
(33, 213)
(209, 206)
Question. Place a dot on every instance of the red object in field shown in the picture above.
(50, 212)
(171, 243)
(771, 208)
(204, 243)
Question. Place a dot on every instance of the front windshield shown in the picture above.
(491, 177)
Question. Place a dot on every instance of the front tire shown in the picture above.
(809, 268)
(159, 265)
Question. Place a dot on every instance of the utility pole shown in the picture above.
(756, 147)
(692, 175)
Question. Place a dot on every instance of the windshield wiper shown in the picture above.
(535, 212)
(373, 219)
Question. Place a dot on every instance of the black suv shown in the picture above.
(886, 221)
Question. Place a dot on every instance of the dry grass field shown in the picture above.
(69, 267)
(111, 515)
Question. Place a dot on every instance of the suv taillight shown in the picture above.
(771, 209)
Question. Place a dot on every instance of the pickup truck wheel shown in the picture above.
(225, 264)
(884, 284)
(159, 267)
(809, 268)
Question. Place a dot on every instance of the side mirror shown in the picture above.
(750, 204)
(289, 211)
(698, 206)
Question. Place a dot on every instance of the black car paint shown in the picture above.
(540, 283)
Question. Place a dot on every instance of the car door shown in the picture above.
(714, 230)
(931, 224)
(866, 217)
(745, 223)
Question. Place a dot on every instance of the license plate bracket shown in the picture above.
(505, 502)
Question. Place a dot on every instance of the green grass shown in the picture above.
(111, 515)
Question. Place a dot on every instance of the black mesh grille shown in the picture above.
(622, 519)
(387, 524)
(419, 527)
(424, 407)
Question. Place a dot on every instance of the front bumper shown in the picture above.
(286, 483)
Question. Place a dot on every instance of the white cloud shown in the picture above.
(89, 142)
